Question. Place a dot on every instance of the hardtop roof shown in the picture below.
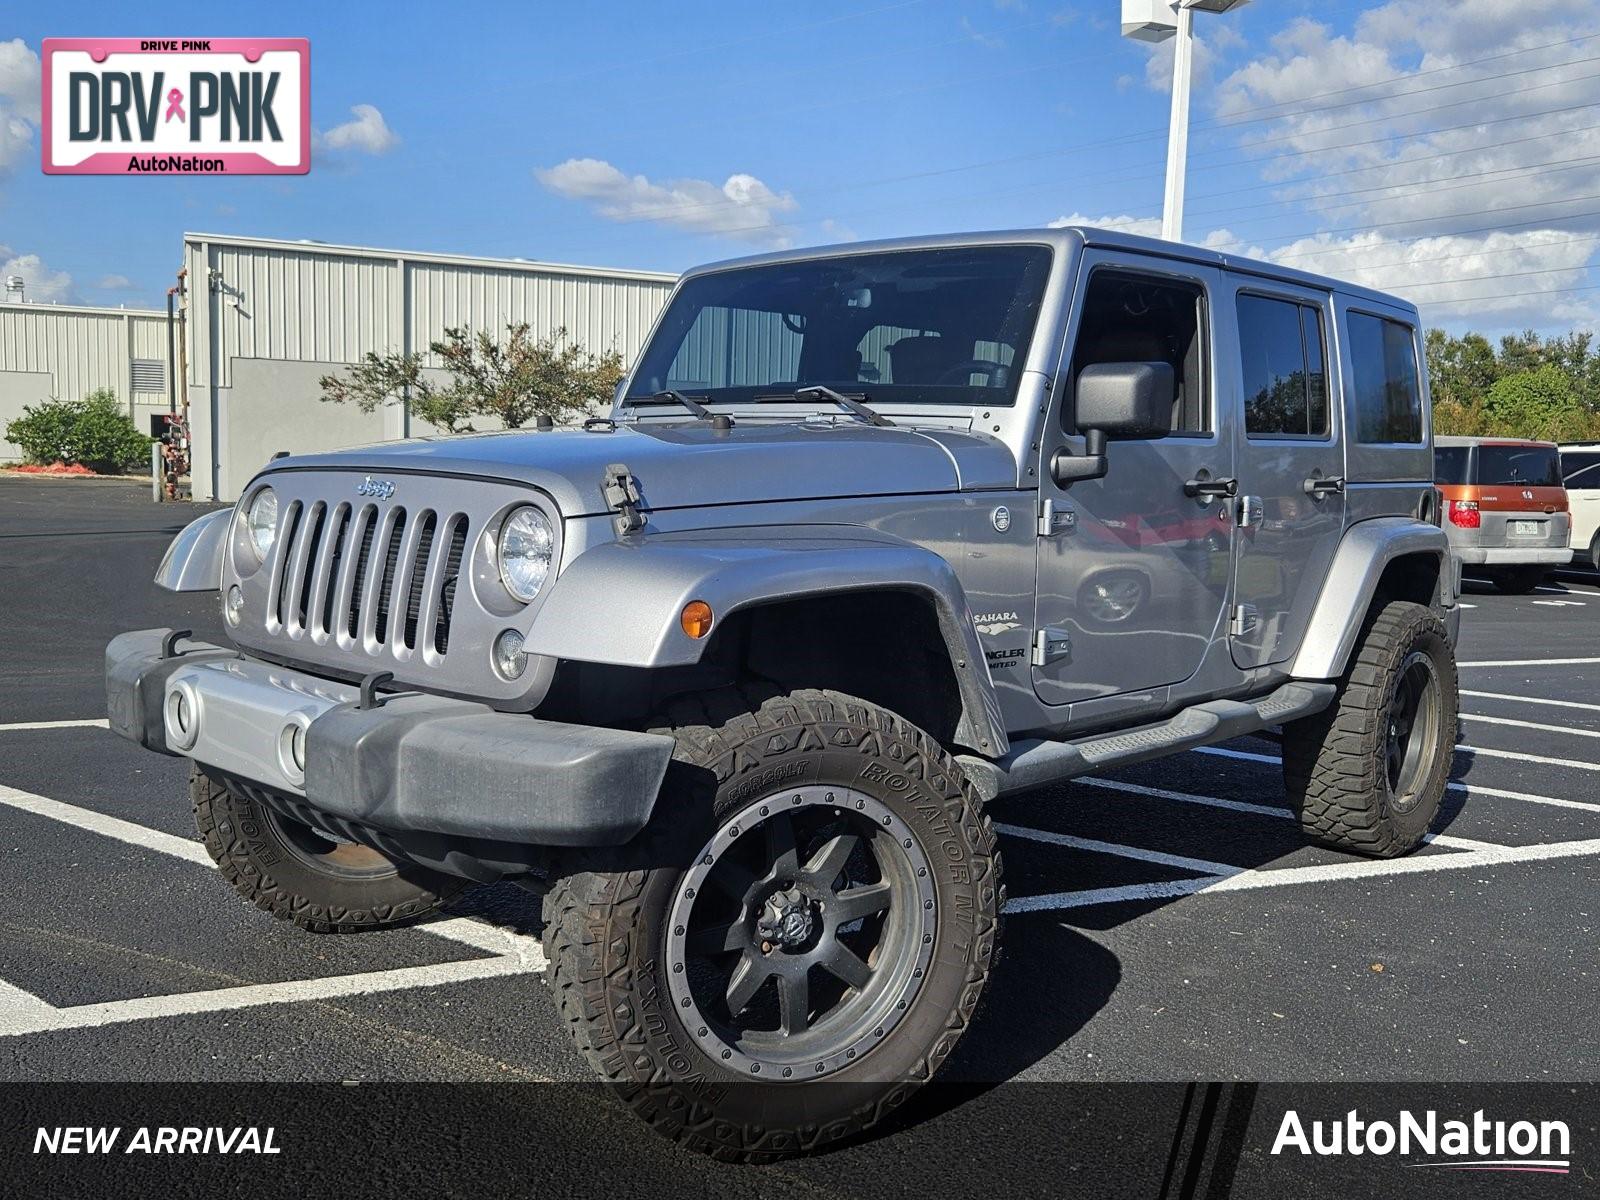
(1072, 237)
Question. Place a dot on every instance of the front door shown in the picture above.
(1133, 567)
(1289, 459)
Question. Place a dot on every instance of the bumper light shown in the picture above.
(509, 660)
(182, 716)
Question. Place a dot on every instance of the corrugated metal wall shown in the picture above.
(305, 302)
(82, 348)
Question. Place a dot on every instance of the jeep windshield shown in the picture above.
(947, 326)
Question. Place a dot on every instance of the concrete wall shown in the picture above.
(76, 349)
(306, 308)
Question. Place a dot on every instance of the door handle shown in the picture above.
(1210, 489)
(1316, 487)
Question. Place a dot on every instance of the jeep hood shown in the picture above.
(685, 465)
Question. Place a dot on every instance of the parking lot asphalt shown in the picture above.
(1166, 921)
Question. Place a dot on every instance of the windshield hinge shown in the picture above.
(1056, 516)
(622, 497)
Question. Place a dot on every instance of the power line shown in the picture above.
(1128, 139)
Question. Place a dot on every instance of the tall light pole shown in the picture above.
(1155, 21)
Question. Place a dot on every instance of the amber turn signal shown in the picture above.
(696, 618)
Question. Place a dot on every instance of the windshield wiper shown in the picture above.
(700, 411)
(849, 403)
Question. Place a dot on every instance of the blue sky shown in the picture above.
(657, 135)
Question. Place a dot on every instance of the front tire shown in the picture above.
(798, 940)
(1367, 774)
(289, 870)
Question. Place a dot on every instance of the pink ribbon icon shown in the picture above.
(174, 106)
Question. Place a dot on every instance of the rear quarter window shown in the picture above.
(1451, 464)
(1388, 386)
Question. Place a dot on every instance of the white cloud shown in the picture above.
(988, 41)
(41, 284)
(366, 133)
(114, 283)
(743, 207)
(1142, 226)
(1417, 178)
(19, 101)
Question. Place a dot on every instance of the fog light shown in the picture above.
(292, 748)
(182, 716)
(509, 660)
(696, 619)
(233, 610)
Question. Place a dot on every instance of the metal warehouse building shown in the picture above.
(264, 320)
(67, 351)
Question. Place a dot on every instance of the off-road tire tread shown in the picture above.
(213, 807)
(1333, 762)
(590, 911)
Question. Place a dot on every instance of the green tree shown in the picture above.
(513, 380)
(1540, 403)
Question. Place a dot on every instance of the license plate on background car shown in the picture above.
(1527, 528)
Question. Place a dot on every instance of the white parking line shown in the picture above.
(21, 1012)
(1471, 789)
(1461, 748)
(16, 726)
(1530, 700)
(1289, 876)
(1202, 865)
(1531, 662)
(111, 827)
(1277, 812)
(38, 1017)
(1521, 756)
(1589, 733)
(1478, 789)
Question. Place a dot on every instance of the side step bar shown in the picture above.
(1034, 762)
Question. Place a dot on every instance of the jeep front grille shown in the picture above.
(403, 582)
(366, 577)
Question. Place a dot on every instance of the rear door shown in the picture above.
(1289, 459)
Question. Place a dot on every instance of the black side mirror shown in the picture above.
(1116, 402)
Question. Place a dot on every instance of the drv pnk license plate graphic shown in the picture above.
(167, 106)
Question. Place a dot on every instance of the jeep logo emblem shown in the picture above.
(378, 489)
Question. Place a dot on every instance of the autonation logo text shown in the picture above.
(1477, 1144)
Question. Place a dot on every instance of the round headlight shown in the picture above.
(526, 546)
(261, 522)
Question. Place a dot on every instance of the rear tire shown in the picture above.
(1517, 581)
(1367, 774)
(1594, 552)
(650, 944)
(287, 869)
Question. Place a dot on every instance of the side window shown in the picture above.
(1582, 470)
(1388, 392)
(1128, 317)
(1285, 382)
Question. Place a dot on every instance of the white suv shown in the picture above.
(1580, 469)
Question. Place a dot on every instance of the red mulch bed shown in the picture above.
(58, 468)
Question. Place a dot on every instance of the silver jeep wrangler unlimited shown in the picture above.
(872, 535)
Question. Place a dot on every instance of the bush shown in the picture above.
(94, 432)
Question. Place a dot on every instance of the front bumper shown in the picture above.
(1513, 556)
(450, 783)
